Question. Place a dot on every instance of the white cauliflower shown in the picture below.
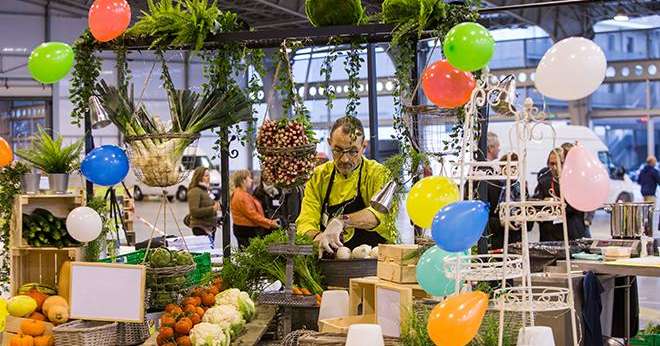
(225, 316)
(208, 334)
(240, 300)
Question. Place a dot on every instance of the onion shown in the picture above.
(343, 253)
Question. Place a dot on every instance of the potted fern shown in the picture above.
(53, 158)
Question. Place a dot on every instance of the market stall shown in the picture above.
(447, 289)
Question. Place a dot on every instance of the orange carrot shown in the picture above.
(306, 292)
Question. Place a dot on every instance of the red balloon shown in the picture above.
(108, 19)
(446, 86)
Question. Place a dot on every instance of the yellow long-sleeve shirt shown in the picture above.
(374, 177)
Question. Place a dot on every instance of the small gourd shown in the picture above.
(44, 340)
(58, 314)
(33, 327)
(21, 340)
(53, 301)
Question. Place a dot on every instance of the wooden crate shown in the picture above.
(40, 265)
(404, 274)
(341, 324)
(334, 339)
(398, 253)
(58, 205)
(362, 292)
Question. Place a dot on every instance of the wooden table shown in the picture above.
(253, 331)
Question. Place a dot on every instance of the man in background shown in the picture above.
(493, 151)
(649, 178)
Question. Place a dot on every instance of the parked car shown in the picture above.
(192, 158)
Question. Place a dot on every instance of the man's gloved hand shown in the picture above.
(330, 239)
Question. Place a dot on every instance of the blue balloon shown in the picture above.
(106, 165)
(459, 225)
(430, 272)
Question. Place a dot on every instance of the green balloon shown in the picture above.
(468, 46)
(430, 272)
(50, 62)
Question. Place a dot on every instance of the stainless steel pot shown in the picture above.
(30, 183)
(58, 183)
(629, 219)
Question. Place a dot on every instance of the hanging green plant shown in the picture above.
(86, 71)
(334, 12)
(326, 71)
(10, 187)
(353, 65)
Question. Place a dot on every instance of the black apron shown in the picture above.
(360, 236)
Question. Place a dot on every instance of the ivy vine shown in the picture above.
(86, 71)
(353, 65)
(326, 71)
(292, 103)
(10, 187)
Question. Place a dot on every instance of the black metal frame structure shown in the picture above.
(372, 33)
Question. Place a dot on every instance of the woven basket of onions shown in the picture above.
(287, 150)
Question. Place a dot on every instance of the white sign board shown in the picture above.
(107, 292)
(388, 311)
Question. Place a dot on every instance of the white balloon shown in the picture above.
(84, 224)
(572, 69)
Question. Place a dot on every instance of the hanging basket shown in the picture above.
(287, 167)
(156, 159)
(429, 122)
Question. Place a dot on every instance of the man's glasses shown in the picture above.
(338, 153)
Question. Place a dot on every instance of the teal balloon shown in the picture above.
(468, 47)
(430, 272)
(50, 62)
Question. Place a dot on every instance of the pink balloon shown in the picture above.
(584, 181)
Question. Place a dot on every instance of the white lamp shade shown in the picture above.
(334, 303)
(365, 334)
(535, 336)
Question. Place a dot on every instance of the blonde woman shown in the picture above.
(203, 217)
(246, 211)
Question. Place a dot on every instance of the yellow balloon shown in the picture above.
(428, 196)
(3, 314)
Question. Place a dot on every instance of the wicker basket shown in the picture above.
(274, 159)
(338, 273)
(168, 285)
(132, 333)
(156, 159)
(85, 333)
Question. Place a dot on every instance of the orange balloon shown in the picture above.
(456, 321)
(6, 154)
(108, 19)
(446, 86)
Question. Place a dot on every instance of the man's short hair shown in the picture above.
(350, 125)
(493, 140)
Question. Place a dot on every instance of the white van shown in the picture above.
(192, 158)
(621, 187)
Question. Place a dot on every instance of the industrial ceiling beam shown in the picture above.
(282, 8)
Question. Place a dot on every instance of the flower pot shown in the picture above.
(58, 183)
(30, 183)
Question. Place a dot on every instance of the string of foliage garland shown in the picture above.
(10, 187)
(326, 71)
(93, 248)
(292, 103)
(353, 65)
(86, 71)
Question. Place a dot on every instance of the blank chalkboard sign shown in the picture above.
(107, 292)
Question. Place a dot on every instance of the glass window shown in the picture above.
(625, 139)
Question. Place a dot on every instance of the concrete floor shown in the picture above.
(648, 287)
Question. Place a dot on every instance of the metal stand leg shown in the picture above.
(626, 303)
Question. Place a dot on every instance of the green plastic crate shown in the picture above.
(201, 275)
(645, 340)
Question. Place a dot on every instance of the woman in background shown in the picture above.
(246, 211)
(203, 210)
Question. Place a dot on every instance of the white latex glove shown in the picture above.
(330, 239)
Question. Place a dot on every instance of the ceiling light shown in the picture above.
(621, 15)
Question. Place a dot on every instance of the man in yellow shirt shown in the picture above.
(335, 206)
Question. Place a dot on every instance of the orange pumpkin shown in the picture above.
(183, 341)
(44, 340)
(166, 332)
(170, 307)
(176, 311)
(190, 309)
(199, 310)
(189, 301)
(214, 290)
(183, 326)
(195, 318)
(167, 320)
(32, 327)
(21, 340)
(208, 299)
(37, 316)
(197, 292)
(217, 282)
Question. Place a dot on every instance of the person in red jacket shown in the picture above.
(247, 212)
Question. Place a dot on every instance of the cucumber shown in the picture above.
(45, 214)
